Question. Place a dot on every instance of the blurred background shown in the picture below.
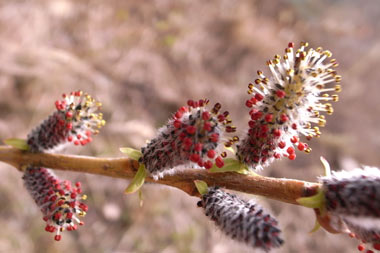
(143, 60)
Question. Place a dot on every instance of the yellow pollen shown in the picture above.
(338, 88)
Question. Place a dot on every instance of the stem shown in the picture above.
(285, 190)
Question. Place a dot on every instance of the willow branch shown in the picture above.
(285, 190)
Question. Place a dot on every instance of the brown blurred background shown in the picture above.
(143, 60)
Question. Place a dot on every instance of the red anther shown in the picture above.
(219, 162)
(53, 198)
(177, 123)
(253, 111)
(264, 128)
(301, 146)
(187, 142)
(194, 158)
(183, 109)
(376, 246)
(78, 184)
(57, 216)
(352, 235)
(253, 100)
(294, 139)
(191, 129)
(294, 126)
(89, 139)
(76, 143)
(69, 228)
(207, 126)
(190, 103)
(290, 150)
(83, 142)
(79, 136)
(88, 133)
(214, 137)
(57, 237)
(201, 102)
(61, 202)
(284, 117)
(79, 190)
(69, 114)
(196, 104)
(178, 114)
(248, 103)
(281, 144)
(64, 95)
(200, 163)
(259, 97)
(72, 204)
(277, 155)
(198, 147)
(83, 206)
(70, 138)
(205, 115)
(256, 116)
(370, 251)
(208, 165)
(61, 192)
(221, 118)
(69, 126)
(211, 153)
(277, 132)
(47, 228)
(57, 104)
(292, 156)
(69, 215)
(45, 218)
(251, 124)
(290, 44)
(269, 117)
(280, 93)
(80, 224)
(361, 247)
(77, 93)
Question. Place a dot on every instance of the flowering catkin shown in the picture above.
(75, 120)
(286, 105)
(58, 200)
(241, 220)
(192, 137)
(354, 197)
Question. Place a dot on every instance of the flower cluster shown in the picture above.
(241, 220)
(59, 200)
(75, 120)
(192, 137)
(287, 105)
(354, 197)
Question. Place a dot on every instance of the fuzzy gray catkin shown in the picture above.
(241, 220)
(354, 197)
(193, 137)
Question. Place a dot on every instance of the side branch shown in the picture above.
(285, 190)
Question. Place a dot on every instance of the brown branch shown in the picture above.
(285, 190)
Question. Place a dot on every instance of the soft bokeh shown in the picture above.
(143, 59)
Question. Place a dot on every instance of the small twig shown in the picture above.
(285, 190)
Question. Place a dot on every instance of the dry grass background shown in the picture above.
(143, 59)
